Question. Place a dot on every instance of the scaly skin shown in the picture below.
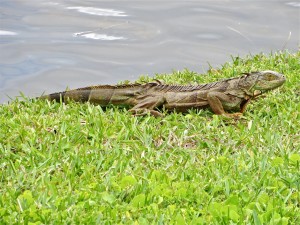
(230, 95)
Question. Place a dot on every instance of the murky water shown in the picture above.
(46, 46)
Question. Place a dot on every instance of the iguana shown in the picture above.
(222, 97)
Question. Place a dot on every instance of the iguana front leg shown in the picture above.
(146, 104)
(244, 105)
(217, 100)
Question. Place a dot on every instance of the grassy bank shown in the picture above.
(79, 164)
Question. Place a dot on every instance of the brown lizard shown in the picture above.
(222, 97)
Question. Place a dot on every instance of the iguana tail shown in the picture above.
(63, 96)
(102, 94)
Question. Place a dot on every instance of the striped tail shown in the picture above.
(59, 96)
(75, 95)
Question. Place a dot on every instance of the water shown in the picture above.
(46, 46)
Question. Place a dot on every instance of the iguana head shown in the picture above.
(263, 81)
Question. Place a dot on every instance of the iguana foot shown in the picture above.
(143, 112)
(235, 116)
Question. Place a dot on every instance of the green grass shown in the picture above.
(81, 164)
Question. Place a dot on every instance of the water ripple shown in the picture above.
(103, 37)
(295, 4)
(98, 11)
(5, 32)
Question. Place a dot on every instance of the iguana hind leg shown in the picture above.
(146, 104)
